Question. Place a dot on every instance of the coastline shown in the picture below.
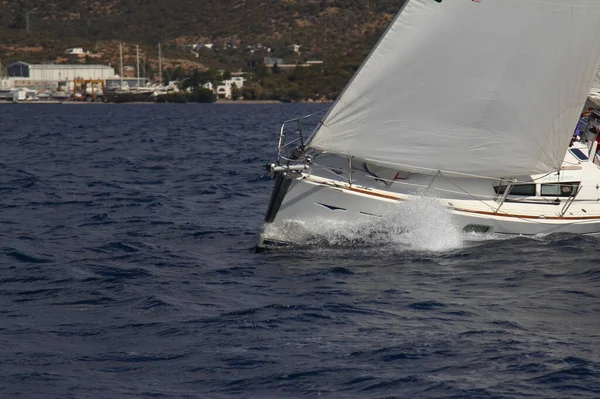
(247, 102)
(269, 102)
(244, 102)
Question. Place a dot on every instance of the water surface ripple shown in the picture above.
(127, 270)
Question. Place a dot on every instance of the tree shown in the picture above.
(275, 69)
(213, 76)
(252, 92)
(18, 21)
(236, 93)
(322, 5)
(260, 71)
(176, 74)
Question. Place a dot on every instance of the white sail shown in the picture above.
(489, 87)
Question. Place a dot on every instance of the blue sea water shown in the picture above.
(127, 270)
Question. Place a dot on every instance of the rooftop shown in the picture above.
(62, 66)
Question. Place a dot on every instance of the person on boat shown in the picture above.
(582, 124)
(586, 113)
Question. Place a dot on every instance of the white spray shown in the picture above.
(423, 224)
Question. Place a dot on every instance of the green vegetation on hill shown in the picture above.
(339, 32)
(322, 27)
(321, 82)
(318, 24)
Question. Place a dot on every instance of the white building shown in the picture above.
(6, 83)
(74, 51)
(56, 72)
(48, 75)
(225, 88)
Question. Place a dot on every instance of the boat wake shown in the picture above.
(420, 225)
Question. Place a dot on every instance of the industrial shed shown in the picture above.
(59, 72)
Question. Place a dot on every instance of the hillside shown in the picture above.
(326, 29)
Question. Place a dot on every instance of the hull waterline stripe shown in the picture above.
(509, 215)
(367, 192)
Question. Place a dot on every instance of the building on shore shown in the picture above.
(225, 89)
(47, 76)
(6, 83)
(271, 62)
(78, 51)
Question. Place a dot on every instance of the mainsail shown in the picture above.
(492, 88)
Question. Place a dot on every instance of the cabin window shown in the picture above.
(559, 189)
(523, 189)
(518, 189)
(579, 154)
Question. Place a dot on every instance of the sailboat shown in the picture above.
(473, 103)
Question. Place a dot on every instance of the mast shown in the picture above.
(160, 65)
(121, 62)
(27, 25)
(137, 60)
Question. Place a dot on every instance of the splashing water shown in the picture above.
(422, 225)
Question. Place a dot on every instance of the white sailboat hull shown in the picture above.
(313, 202)
(317, 203)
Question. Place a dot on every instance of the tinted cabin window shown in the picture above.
(559, 189)
(523, 189)
(519, 189)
